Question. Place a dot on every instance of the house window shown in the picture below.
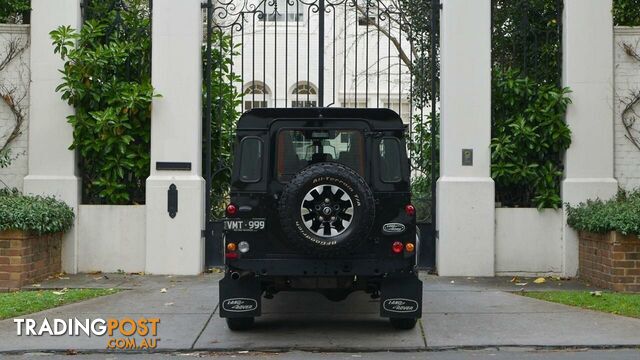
(256, 95)
(304, 95)
(403, 109)
(366, 21)
(362, 104)
(283, 12)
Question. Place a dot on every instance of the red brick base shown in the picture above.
(610, 261)
(27, 258)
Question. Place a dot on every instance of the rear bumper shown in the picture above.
(325, 267)
(241, 295)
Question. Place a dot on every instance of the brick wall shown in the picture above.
(627, 79)
(610, 261)
(25, 258)
(16, 75)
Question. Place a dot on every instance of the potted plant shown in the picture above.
(609, 242)
(31, 229)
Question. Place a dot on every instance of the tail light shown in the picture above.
(397, 247)
(231, 251)
(410, 210)
(231, 209)
(409, 247)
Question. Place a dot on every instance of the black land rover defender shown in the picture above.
(320, 201)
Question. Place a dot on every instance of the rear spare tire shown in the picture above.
(326, 208)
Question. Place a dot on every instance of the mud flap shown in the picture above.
(240, 297)
(401, 297)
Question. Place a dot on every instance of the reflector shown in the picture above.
(410, 210)
(397, 247)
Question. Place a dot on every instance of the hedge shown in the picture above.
(621, 214)
(34, 214)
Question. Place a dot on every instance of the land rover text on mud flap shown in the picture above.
(320, 201)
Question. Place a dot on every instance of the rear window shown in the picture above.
(251, 159)
(390, 160)
(297, 149)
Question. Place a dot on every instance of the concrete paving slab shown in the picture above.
(573, 327)
(177, 300)
(485, 302)
(183, 311)
(309, 321)
(468, 312)
(501, 283)
(121, 281)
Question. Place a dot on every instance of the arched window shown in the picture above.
(256, 95)
(304, 95)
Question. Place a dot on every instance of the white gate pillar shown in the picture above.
(175, 245)
(588, 71)
(52, 166)
(465, 200)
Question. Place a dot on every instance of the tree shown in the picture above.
(107, 79)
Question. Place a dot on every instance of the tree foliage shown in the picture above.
(529, 135)
(225, 101)
(107, 79)
(626, 12)
(418, 27)
(14, 11)
(526, 35)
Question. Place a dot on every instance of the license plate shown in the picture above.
(244, 225)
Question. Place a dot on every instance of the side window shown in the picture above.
(250, 159)
(390, 160)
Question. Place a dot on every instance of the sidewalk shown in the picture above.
(458, 313)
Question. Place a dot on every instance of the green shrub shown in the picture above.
(107, 79)
(225, 101)
(421, 162)
(621, 214)
(626, 12)
(529, 135)
(35, 214)
(13, 11)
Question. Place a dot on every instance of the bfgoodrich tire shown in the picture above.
(403, 324)
(325, 209)
(240, 324)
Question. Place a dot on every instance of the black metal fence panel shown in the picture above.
(312, 53)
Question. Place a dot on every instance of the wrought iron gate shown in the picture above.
(320, 53)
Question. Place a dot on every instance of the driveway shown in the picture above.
(459, 313)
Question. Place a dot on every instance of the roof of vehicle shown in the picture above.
(379, 119)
